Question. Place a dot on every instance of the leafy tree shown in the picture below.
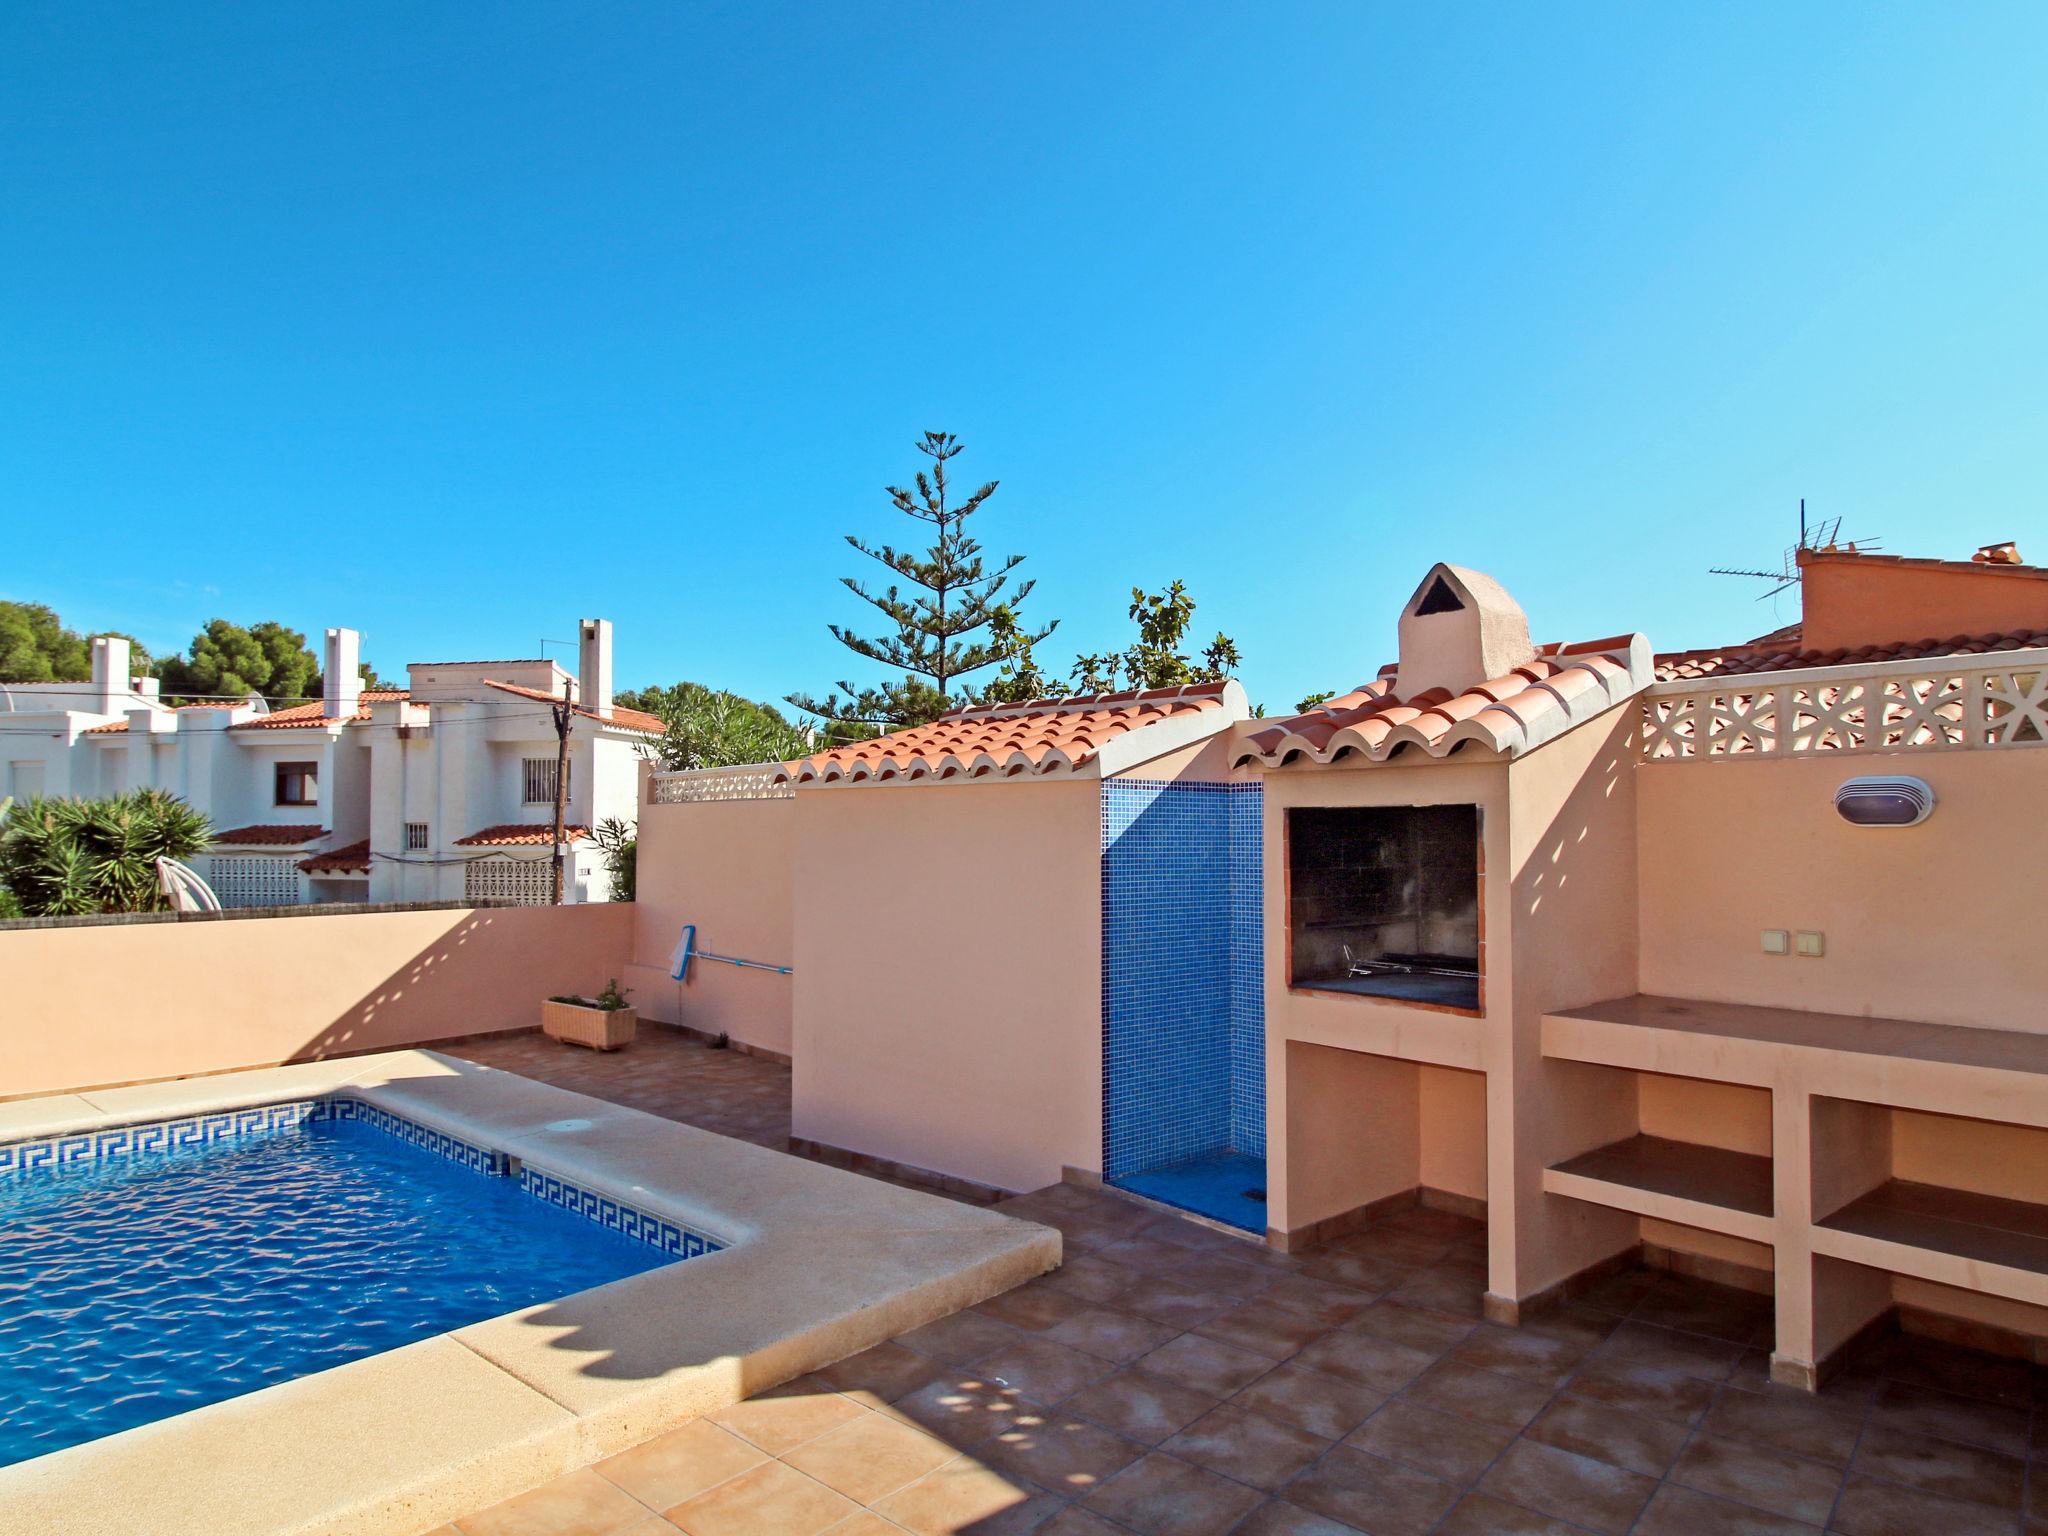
(1155, 659)
(619, 842)
(228, 660)
(710, 728)
(1019, 678)
(1313, 700)
(61, 858)
(954, 596)
(35, 647)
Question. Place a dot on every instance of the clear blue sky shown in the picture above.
(456, 322)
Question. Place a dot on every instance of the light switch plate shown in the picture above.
(1812, 945)
(1777, 942)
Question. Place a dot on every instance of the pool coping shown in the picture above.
(819, 1264)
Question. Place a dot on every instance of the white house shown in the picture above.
(443, 790)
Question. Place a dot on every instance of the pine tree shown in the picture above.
(953, 596)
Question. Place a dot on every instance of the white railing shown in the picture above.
(1948, 703)
(749, 781)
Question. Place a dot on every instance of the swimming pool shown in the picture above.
(147, 1270)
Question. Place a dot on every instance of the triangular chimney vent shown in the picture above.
(1439, 599)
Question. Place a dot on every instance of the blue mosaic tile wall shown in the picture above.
(1183, 1014)
(164, 1136)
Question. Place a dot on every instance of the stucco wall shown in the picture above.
(948, 954)
(88, 1007)
(1938, 922)
(725, 865)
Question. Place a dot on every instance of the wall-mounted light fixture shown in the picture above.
(1883, 801)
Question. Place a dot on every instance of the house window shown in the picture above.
(298, 783)
(1383, 901)
(415, 835)
(540, 781)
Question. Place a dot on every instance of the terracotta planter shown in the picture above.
(602, 1029)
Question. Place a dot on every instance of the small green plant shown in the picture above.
(611, 999)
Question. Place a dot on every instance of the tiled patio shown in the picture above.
(1175, 1382)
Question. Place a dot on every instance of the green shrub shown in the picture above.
(64, 858)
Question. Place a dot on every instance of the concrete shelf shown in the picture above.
(1681, 1181)
(1949, 1236)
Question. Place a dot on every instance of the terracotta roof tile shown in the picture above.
(1042, 736)
(631, 719)
(315, 712)
(520, 834)
(354, 859)
(1555, 690)
(1781, 651)
(268, 835)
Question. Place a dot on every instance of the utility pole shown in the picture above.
(562, 714)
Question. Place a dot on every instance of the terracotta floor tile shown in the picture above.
(964, 1409)
(1502, 1400)
(1569, 1487)
(785, 1418)
(1061, 1453)
(1113, 1335)
(1165, 1496)
(1170, 1302)
(1434, 1333)
(1224, 1275)
(1139, 1406)
(1638, 1343)
(871, 1457)
(1376, 1276)
(960, 1338)
(1146, 1254)
(1088, 1277)
(1443, 1290)
(1754, 1474)
(1321, 1301)
(1714, 1311)
(1917, 1410)
(1643, 1389)
(1265, 1328)
(1637, 1441)
(1479, 1514)
(1205, 1365)
(1871, 1508)
(966, 1497)
(1676, 1511)
(1787, 1420)
(1943, 1467)
(1380, 1364)
(1518, 1352)
(1276, 1517)
(1033, 1307)
(771, 1500)
(1441, 1444)
(681, 1464)
(1246, 1446)
(1043, 1371)
(1965, 1372)
(1323, 1405)
(884, 1373)
(1411, 1250)
(863, 1522)
(1372, 1494)
(1076, 1521)
(577, 1504)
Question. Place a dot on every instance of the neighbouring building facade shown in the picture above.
(443, 790)
(1638, 957)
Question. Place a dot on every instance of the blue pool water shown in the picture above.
(139, 1287)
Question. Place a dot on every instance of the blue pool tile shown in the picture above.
(1224, 1186)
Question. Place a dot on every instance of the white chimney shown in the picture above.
(110, 675)
(1459, 629)
(594, 666)
(343, 684)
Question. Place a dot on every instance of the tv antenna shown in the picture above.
(1823, 534)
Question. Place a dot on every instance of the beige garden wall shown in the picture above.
(948, 950)
(728, 867)
(1939, 922)
(120, 1003)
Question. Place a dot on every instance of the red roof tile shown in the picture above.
(1780, 651)
(354, 859)
(1557, 689)
(315, 712)
(1040, 737)
(122, 725)
(631, 719)
(268, 835)
(519, 834)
